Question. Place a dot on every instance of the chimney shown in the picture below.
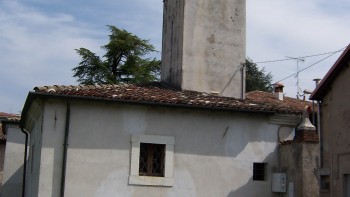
(204, 45)
(317, 81)
(279, 91)
(306, 131)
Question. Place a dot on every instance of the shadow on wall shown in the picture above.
(13, 186)
(260, 186)
(227, 133)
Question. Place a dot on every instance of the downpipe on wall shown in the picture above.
(25, 162)
(65, 148)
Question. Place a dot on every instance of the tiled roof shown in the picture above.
(288, 105)
(6, 117)
(156, 93)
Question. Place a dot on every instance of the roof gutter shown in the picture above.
(32, 95)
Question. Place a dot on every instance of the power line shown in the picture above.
(290, 58)
(311, 65)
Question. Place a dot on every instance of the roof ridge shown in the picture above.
(54, 88)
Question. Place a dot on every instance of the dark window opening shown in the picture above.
(259, 171)
(325, 182)
(152, 159)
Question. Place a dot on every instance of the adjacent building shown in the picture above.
(12, 155)
(333, 94)
(194, 134)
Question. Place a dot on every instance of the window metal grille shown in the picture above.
(152, 159)
(259, 171)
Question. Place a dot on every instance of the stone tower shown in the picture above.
(204, 46)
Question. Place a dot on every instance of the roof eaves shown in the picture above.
(32, 95)
(5, 122)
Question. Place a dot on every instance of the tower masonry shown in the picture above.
(204, 46)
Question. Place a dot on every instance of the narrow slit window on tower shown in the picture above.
(152, 158)
(259, 171)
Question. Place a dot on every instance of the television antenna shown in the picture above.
(297, 59)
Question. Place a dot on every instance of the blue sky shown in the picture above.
(38, 38)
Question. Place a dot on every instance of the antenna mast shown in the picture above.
(297, 74)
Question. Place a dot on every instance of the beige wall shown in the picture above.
(335, 119)
(214, 151)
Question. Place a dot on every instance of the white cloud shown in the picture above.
(37, 49)
(277, 29)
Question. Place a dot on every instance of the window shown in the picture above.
(324, 183)
(152, 160)
(259, 171)
(346, 184)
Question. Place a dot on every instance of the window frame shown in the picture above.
(167, 179)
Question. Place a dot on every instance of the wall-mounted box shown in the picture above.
(279, 182)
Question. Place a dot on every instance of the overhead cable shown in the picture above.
(311, 65)
(290, 58)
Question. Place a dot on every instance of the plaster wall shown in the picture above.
(300, 161)
(13, 163)
(210, 48)
(34, 159)
(48, 151)
(214, 151)
(335, 120)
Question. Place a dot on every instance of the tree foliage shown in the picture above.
(124, 61)
(257, 79)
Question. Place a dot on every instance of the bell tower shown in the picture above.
(204, 46)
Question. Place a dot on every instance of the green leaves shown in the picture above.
(257, 79)
(123, 61)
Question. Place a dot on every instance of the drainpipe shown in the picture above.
(25, 162)
(65, 148)
(320, 132)
(317, 81)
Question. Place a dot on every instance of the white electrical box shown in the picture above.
(279, 182)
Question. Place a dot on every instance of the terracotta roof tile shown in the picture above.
(157, 93)
(288, 105)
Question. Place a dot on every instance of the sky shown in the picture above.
(38, 39)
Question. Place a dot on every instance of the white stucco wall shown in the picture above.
(34, 159)
(214, 151)
(13, 163)
(51, 149)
